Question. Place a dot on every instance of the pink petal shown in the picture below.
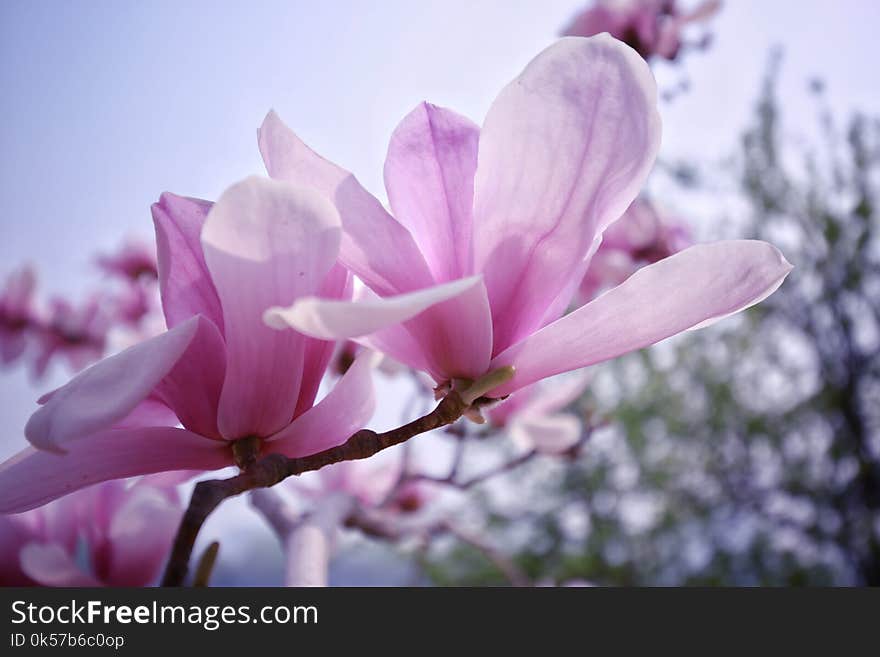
(109, 390)
(337, 320)
(375, 247)
(318, 353)
(140, 535)
(637, 228)
(51, 565)
(17, 295)
(556, 394)
(691, 288)
(429, 175)
(455, 335)
(192, 387)
(151, 412)
(34, 477)
(548, 434)
(566, 296)
(346, 409)
(184, 282)
(168, 481)
(397, 343)
(563, 151)
(266, 243)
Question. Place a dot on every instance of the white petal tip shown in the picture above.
(274, 318)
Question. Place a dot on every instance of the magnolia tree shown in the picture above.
(480, 278)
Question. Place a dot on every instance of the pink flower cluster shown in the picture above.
(490, 233)
(653, 28)
(371, 485)
(642, 236)
(76, 333)
(113, 534)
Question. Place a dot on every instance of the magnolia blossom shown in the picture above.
(132, 305)
(134, 264)
(651, 27)
(534, 419)
(366, 481)
(18, 313)
(112, 534)
(76, 333)
(475, 270)
(371, 483)
(218, 371)
(641, 236)
(135, 260)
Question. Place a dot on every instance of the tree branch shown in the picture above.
(272, 469)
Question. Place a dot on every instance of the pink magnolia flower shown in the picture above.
(76, 333)
(412, 496)
(18, 315)
(651, 27)
(481, 261)
(135, 265)
(533, 417)
(641, 236)
(366, 481)
(133, 261)
(218, 370)
(112, 534)
(132, 304)
(369, 482)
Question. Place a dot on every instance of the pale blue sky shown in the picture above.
(106, 104)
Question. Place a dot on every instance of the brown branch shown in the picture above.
(272, 469)
(453, 481)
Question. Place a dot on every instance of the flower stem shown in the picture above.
(274, 468)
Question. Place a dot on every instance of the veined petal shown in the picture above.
(318, 353)
(34, 477)
(338, 320)
(450, 339)
(564, 150)
(397, 343)
(566, 296)
(691, 288)
(346, 409)
(151, 412)
(266, 243)
(455, 336)
(192, 387)
(374, 246)
(109, 390)
(184, 282)
(429, 176)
